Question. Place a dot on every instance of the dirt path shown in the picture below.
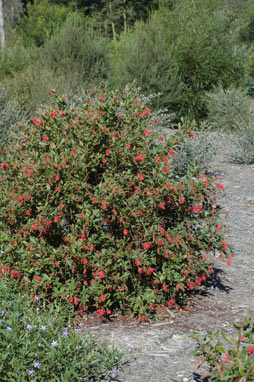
(162, 351)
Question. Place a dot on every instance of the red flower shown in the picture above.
(197, 208)
(147, 132)
(142, 318)
(53, 115)
(44, 139)
(161, 139)
(165, 287)
(74, 151)
(94, 200)
(101, 274)
(101, 312)
(171, 302)
(62, 112)
(15, 274)
(47, 223)
(166, 170)
(226, 358)
(158, 159)
(140, 271)
(147, 111)
(141, 176)
(128, 145)
(125, 232)
(171, 152)
(149, 271)
(137, 262)
(251, 350)
(181, 199)
(218, 228)
(34, 225)
(107, 152)
(49, 92)
(140, 158)
(224, 244)
(146, 246)
(75, 300)
(56, 218)
(101, 98)
(57, 177)
(4, 166)
(165, 159)
(102, 298)
(36, 122)
(28, 213)
(162, 205)
(84, 261)
(104, 160)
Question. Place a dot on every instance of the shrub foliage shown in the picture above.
(91, 213)
(230, 358)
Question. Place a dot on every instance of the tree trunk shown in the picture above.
(2, 33)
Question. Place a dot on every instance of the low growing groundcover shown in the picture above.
(38, 344)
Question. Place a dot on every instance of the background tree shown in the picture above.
(2, 33)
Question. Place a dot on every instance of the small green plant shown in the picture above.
(91, 212)
(228, 107)
(42, 345)
(244, 142)
(195, 154)
(230, 358)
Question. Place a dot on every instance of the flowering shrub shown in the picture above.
(91, 213)
(41, 346)
(232, 359)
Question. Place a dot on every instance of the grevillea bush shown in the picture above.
(230, 358)
(90, 212)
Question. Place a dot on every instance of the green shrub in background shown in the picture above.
(91, 213)
(75, 56)
(42, 345)
(181, 56)
(144, 55)
(41, 21)
(15, 58)
(228, 107)
(205, 50)
(77, 50)
(230, 358)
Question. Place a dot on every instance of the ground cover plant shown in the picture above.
(92, 215)
(38, 344)
(230, 357)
